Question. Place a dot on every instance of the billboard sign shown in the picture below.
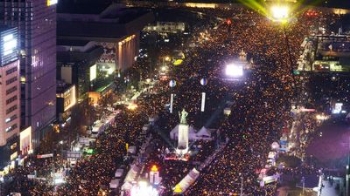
(69, 98)
(93, 72)
(25, 138)
(9, 45)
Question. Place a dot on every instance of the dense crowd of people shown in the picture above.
(261, 106)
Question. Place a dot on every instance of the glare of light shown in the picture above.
(280, 12)
(227, 111)
(337, 108)
(142, 188)
(154, 168)
(234, 70)
(142, 184)
(132, 106)
(76, 149)
(178, 62)
(58, 181)
(321, 117)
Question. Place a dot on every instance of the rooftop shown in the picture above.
(65, 42)
(80, 8)
(100, 13)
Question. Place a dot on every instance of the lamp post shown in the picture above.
(61, 145)
(241, 193)
(203, 82)
(172, 84)
(303, 181)
(347, 176)
(1, 185)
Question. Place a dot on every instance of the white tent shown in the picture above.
(126, 186)
(204, 132)
(132, 174)
(114, 183)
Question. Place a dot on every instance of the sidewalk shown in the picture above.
(329, 189)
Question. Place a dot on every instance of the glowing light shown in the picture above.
(164, 68)
(233, 70)
(132, 106)
(142, 188)
(337, 108)
(10, 44)
(7, 37)
(23, 79)
(93, 72)
(177, 189)
(203, 81)
(172, 83)
(51, 2)
(321, 117)
(58, 181)
(280, 12)
(178, 62)
(154, 168)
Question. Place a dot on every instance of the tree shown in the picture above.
(289, 161)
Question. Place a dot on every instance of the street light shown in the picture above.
(241, 194)
(172, 84)
(203, 82)
(61, 145)
(241, 184)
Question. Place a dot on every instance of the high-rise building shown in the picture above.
(36, 23)
(9, 97)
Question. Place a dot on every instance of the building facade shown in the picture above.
(120, 42)
(9, 97)
(36, 23)
(77, 65)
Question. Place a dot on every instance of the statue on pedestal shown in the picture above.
(183, 116)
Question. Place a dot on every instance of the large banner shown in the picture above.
(186, 182)
(25, 144)
(44, 156)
